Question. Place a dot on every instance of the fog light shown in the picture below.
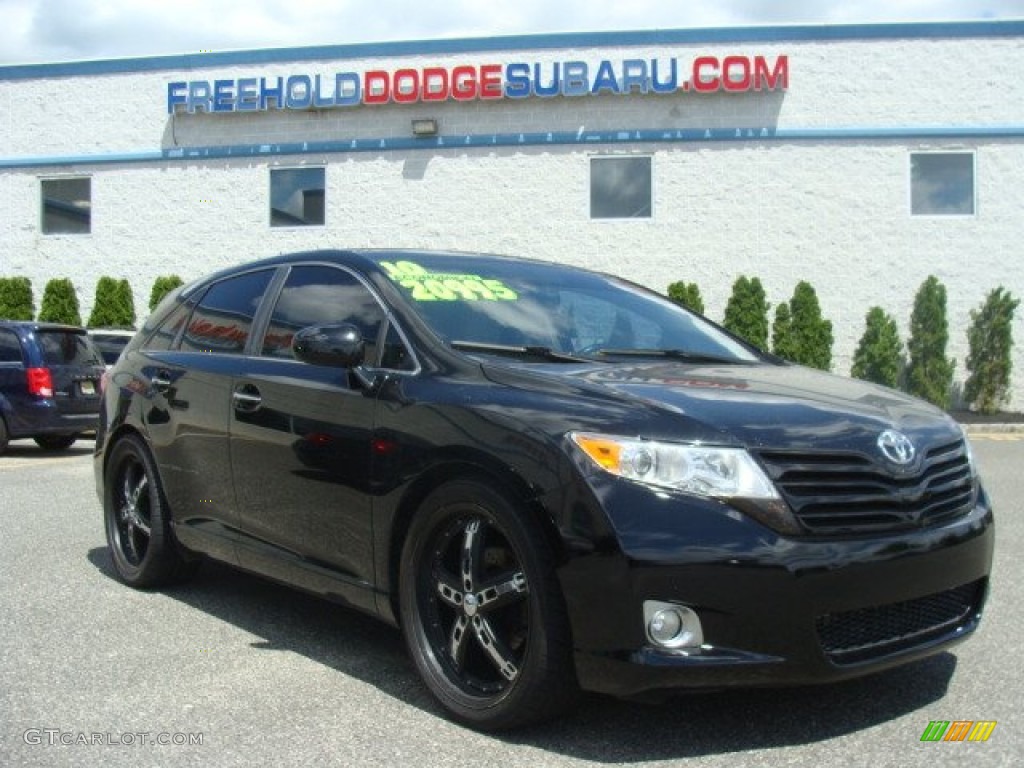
(672, 626)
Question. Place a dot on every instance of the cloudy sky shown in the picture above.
(62, 30)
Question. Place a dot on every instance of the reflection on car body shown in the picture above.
(551, 479)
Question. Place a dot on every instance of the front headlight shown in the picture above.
(703, 470)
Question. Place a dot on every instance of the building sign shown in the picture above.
(470, 82)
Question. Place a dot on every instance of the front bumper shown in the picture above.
(774, 610)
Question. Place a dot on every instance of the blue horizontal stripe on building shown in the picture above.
(537, 138)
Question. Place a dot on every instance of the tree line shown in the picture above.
(800, 334)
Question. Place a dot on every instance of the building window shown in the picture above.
(942, 184)
(67, 206)
(297, 197)
(620, 187)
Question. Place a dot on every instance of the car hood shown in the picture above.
(760, 406)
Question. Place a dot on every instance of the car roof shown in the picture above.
(366, 259)
(39, 325)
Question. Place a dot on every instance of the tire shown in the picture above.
(137, 520)
(3, 436)
(55, 442)
(482, 612)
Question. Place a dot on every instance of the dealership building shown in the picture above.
(859, 158)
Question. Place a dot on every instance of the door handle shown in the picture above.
(161, 381)
(246, 398)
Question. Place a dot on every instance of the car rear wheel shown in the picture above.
(482, 612)
(3, 435)
(137, 520)
(55, 442)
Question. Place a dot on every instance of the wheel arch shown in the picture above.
(509, 484)
(113, 438)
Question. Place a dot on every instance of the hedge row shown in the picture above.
(800, 334)
(114, 305)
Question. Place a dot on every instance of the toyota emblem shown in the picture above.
(896, 447)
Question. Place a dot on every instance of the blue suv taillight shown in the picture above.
(40, 382)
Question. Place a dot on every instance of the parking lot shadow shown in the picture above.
(603, 729)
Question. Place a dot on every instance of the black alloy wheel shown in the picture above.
(136, 519)
(482, 612)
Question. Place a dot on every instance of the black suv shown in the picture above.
(49, 383)
(551, 479)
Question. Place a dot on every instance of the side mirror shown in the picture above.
(337, 346)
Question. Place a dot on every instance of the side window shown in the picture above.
(316, 295)
(169, 329)
(222, 321)
(10, 348)
(395, 354)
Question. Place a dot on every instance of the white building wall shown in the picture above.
(830, 210)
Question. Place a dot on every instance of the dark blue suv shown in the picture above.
(49, 383)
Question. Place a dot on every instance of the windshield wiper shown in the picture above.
(674, 354)
(515, 350)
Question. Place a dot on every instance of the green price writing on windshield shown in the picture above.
(444, 286)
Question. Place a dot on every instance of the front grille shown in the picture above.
(855, 636)
(838, 493)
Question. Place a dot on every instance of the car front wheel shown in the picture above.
(137, 522)
(482, 612)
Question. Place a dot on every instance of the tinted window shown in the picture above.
(10, 347)
(223, 320)
(109, 345)
(67, 206)
(317, 295)
(67, 348)
(169, 329)
(396, 354)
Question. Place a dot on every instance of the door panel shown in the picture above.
(301, 443)
(300, 448)
(187, 405)
(186, 415)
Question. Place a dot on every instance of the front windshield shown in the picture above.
(491, 301)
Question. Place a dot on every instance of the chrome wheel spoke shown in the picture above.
(448, 588)
(133, 527)
(458, 641)
(499, 654)
(497, 593)
(128, 542)
(472, 550)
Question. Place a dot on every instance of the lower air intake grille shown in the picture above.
(868, 633)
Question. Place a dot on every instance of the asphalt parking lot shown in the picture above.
(231, 670)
